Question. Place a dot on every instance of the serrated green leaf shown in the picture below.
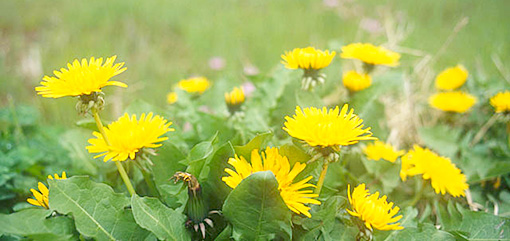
(256, 209)
(98, 211)
(164, 222)
(424, 232)
(258, 142)
(484, 226)
(37, 222)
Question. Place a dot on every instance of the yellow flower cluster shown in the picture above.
(271, 160)
(380, 150)
(127, 136)
(451, 78)
(307, 58)
(455, 101)
(501, 102)
(355, 81)
(370, 54)
(327, 128)
(81, 78)
(195, 85)
(41, 196)
(375, 211)
(443, 174)
(235, 97)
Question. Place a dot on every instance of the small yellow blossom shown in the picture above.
(172, 97)
(370, 54)
(128, 136)
(41, 196)
(327, 128)
(501, 102)
(355, 81)
(456, 101)
(443, 174)
(374, 211)
(195, 85)
(235, 97)
(451, 78)
(271, 160)
(380, 150)
(307, 58)
(81, 78)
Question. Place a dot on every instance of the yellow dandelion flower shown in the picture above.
(196, 85)
(501, 102)
(81, 78)
(443, 174)
(380, 150)
(271, 160)
(451, 78)
(370, 54)
(374, 211)
(307, 58)
(41, 196)
(128, 136)
(235, 97)
(327, 128)
(355, 81)
(172, 97)
(456, 101)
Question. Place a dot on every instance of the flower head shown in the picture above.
(307, 58)
(456, 101)
(355, 81)
(172, 97)
(271, 160)
(370, 54)
(451, 78)
(327, 128)
(235, 97)
(501, 102)
(443, 174)
(127, 136)
(41, 196)
(380, 150)
(374, 211)
(195, 85)
(81, 78)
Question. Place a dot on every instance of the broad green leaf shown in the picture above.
(214, 189)
(164, 222)
(37, 222)
(424, 232)
(484, 226)
(258, 142)
(98, 211)
(256, 210)
(408, 221)
(440, 138)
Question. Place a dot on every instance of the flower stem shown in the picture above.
(508, 132)
(484, 129)
(322, 177)
(419, 194)
(121, 169)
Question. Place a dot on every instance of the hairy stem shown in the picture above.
(322, 177)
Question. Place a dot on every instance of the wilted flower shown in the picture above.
(127, 136)
(41, 196)
(355, 81)
(501, 102)
(172, 97)
(443, 174)
(380, 150)
(271, 160)
(451, 78)
(456, 101)
(370, 54)
(375, 212)
(195, 85)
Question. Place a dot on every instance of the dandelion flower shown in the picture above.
(235, 97)
(41, 196)
(374, 211)
(82, 78)
(456, 101)
(451, 78)
(370, 54)
(380, 150)
(501, 102)
(355, 81)
(172, 97)
(271, 160)
(443, 174)
(195, 85)
(127, 136)
(307, 58)
(327, 128)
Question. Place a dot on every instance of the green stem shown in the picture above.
(419, 194)
(121, 169)
(508, 132)
(322, 177)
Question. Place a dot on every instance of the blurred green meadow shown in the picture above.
(165, 41)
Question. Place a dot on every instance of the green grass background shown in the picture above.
(164, 41)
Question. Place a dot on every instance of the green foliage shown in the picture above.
(38, 224)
